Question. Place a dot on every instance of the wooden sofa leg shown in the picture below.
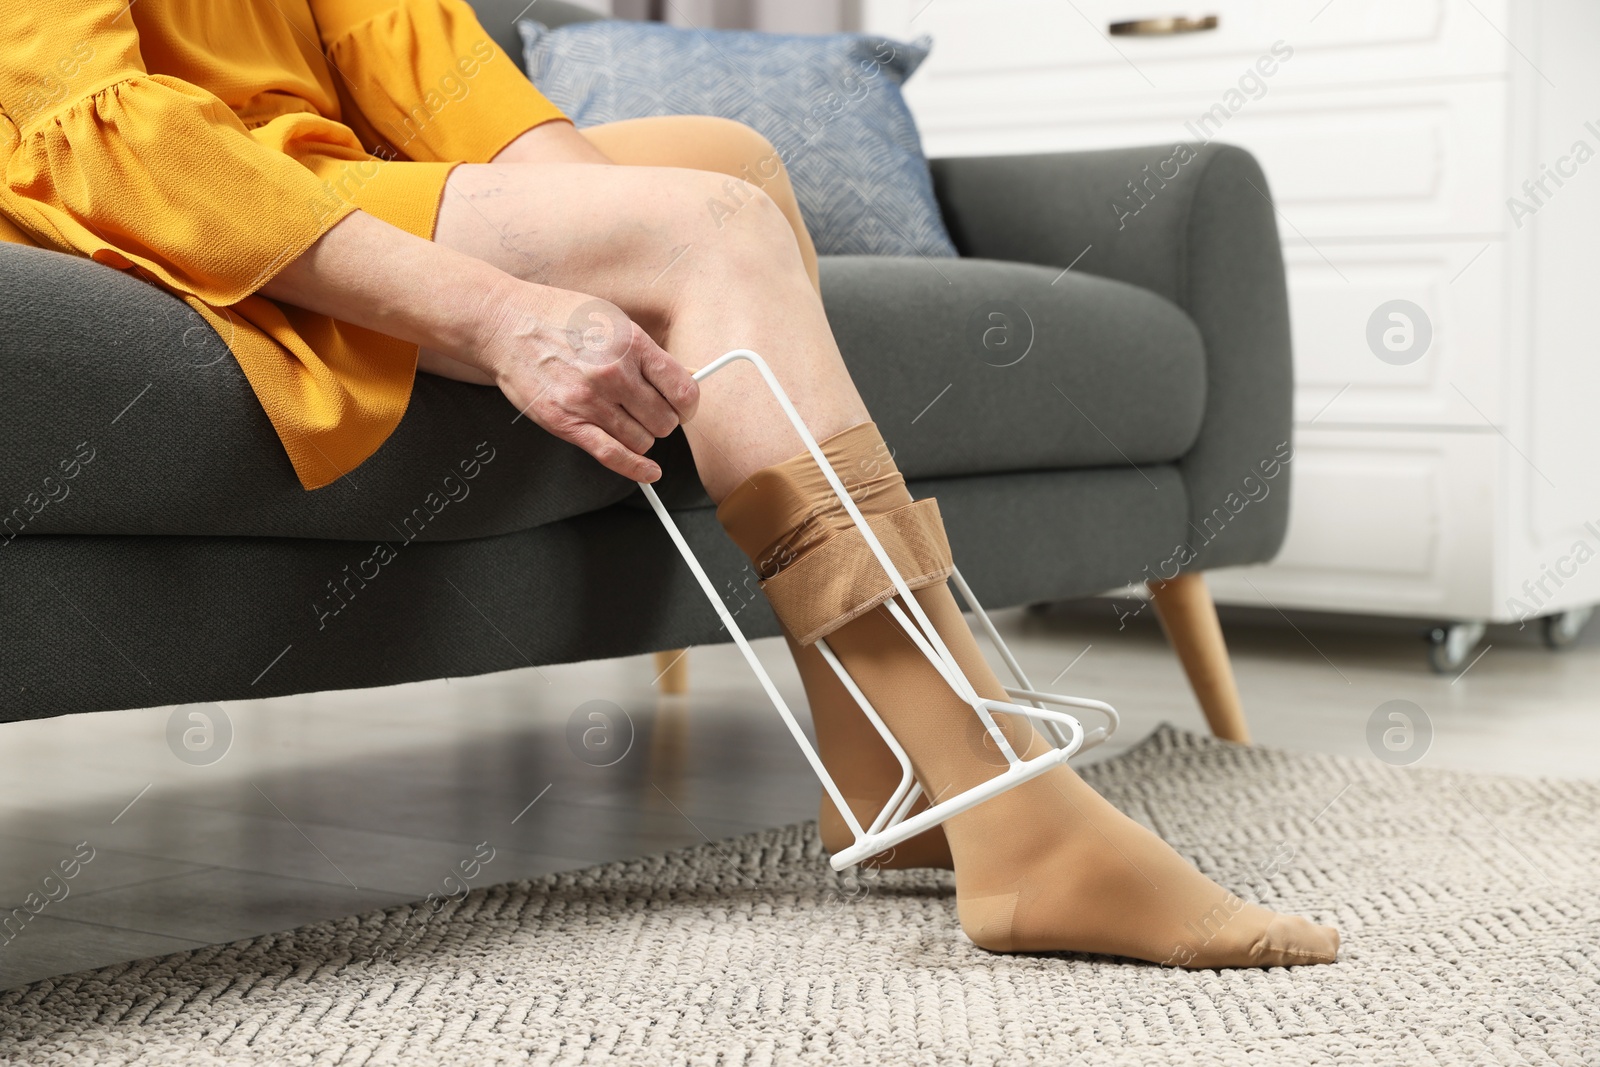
(672, 671)
(1189, 617)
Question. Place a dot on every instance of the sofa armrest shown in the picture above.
(1195, 225)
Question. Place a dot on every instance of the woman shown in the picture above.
(353, 190)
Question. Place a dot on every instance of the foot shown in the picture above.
(1053, 866)
(1049, 865)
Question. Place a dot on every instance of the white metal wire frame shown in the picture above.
(894, 823)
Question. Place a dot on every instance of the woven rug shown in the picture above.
(1468, 905)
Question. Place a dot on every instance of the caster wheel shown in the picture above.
(1560, 631)
(1450, 646)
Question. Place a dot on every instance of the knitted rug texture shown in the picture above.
(1468, 906)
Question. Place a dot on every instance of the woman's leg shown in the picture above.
(484, 212)
(1049, 865)
(860, 763)
(704, 142)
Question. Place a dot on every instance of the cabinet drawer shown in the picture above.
(1412, 161)
(1388, 523)
(1068, 44)
(1337, 293)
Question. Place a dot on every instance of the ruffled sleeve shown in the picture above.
(426, 79)
(138, 170)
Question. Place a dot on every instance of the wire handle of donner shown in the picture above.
(895, 823)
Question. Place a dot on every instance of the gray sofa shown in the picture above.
(182, 562)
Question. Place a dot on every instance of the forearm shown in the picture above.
(423, 292)
(368, 273)
(613, 397)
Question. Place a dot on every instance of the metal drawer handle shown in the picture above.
(1163, 27)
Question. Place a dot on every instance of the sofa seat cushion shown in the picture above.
(124, 414)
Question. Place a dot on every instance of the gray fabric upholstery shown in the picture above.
(112, 622)
(196, 434)
(195, 453)
(1208, 241)
(500, 17)
(1131, 362)
(543, 570)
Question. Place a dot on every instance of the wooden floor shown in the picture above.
(330, 804)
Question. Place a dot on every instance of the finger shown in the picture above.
(613, 455)
(622, 384)
(650, 409)
(598, 401)
(669, 379)
(625, 428)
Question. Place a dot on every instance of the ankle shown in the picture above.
(928, 849)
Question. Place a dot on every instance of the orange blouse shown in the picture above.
(204, 144)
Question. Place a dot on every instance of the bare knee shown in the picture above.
(688, 237)
(731, 227)
(743, 210)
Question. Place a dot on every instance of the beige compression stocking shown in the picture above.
(782, 512)
(1047, 866)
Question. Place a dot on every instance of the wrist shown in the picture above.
(488, 317)
(469, 311)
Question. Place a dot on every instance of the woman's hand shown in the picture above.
(585, 372)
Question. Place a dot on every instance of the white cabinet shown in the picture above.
(1441, 152)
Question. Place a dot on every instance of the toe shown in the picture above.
(1290, 941)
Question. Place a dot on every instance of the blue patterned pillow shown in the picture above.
(830, 104)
